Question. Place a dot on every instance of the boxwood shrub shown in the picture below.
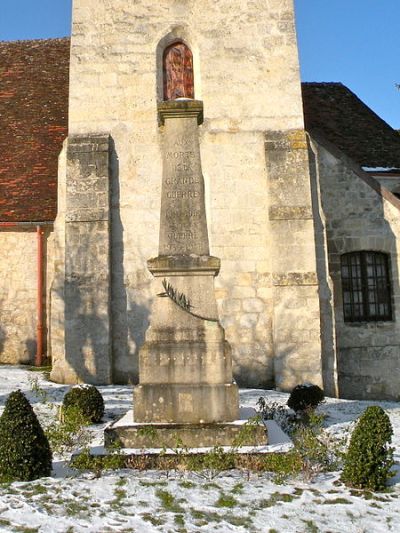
(25, 453)
(369, 458)
(87, 400)
(304, 397)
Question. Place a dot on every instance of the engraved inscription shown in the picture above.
(178, 236)
(183, 194)
(173, 214)
(180, 155)
(182, 181)
(183, 226)
(183, 142)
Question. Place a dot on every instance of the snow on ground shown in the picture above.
(144, 502)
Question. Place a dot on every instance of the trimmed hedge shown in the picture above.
(25, 453)
(87, 400)
(369, 459)
(304, 397)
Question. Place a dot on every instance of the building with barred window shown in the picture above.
(302, 186)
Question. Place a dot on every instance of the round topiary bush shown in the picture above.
(87, 400)
(25, 453)
(369, 459)
(305, 397)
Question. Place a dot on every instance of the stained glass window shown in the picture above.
(178, 72)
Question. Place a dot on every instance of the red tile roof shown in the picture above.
(33, 125)
(336, 113)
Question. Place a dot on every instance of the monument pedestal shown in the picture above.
(130, 434)
(185, 363)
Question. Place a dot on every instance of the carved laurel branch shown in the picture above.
(181, 300)
(178, 297)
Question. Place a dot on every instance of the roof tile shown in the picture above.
(33, 119)
(336, 113)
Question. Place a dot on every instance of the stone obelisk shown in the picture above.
(185, 366)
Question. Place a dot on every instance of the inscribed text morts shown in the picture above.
(183, 228)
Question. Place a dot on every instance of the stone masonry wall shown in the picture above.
(247, 74)
(359, 218)
(18, 295)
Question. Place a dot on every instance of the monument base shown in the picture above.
(186, 403)
(130, 434)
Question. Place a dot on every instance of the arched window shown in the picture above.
(178, 72)
(366, 287)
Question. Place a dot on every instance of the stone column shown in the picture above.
(185, 366)
(86, 293)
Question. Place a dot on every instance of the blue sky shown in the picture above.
(356, 42)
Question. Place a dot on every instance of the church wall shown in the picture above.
(18, 296)
(357, 218)
(246, 72)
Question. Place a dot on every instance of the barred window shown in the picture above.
(366, 287)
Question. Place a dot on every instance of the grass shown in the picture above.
(119, 494)
(169, 502)
(74, 508)
(238, 489)
(311, 527)
(238, 521)
(276, 498)
(46, 369)
(336, 501)
(153, 483)
(121, 482)
(205, 517)
(154, 521)
(226, 500)
(34, 490)
(187, 484)
(179, 520)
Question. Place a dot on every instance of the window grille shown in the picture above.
(366, 287)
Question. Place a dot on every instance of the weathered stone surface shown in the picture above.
(181, 108)
(184, 264)
(355, 217)
(290, 213)
(186, 403)
(18, 294)
(185, 365)
(296, 334)
(86, 291)
(171, 436)
(295, 278)
(183, 226)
